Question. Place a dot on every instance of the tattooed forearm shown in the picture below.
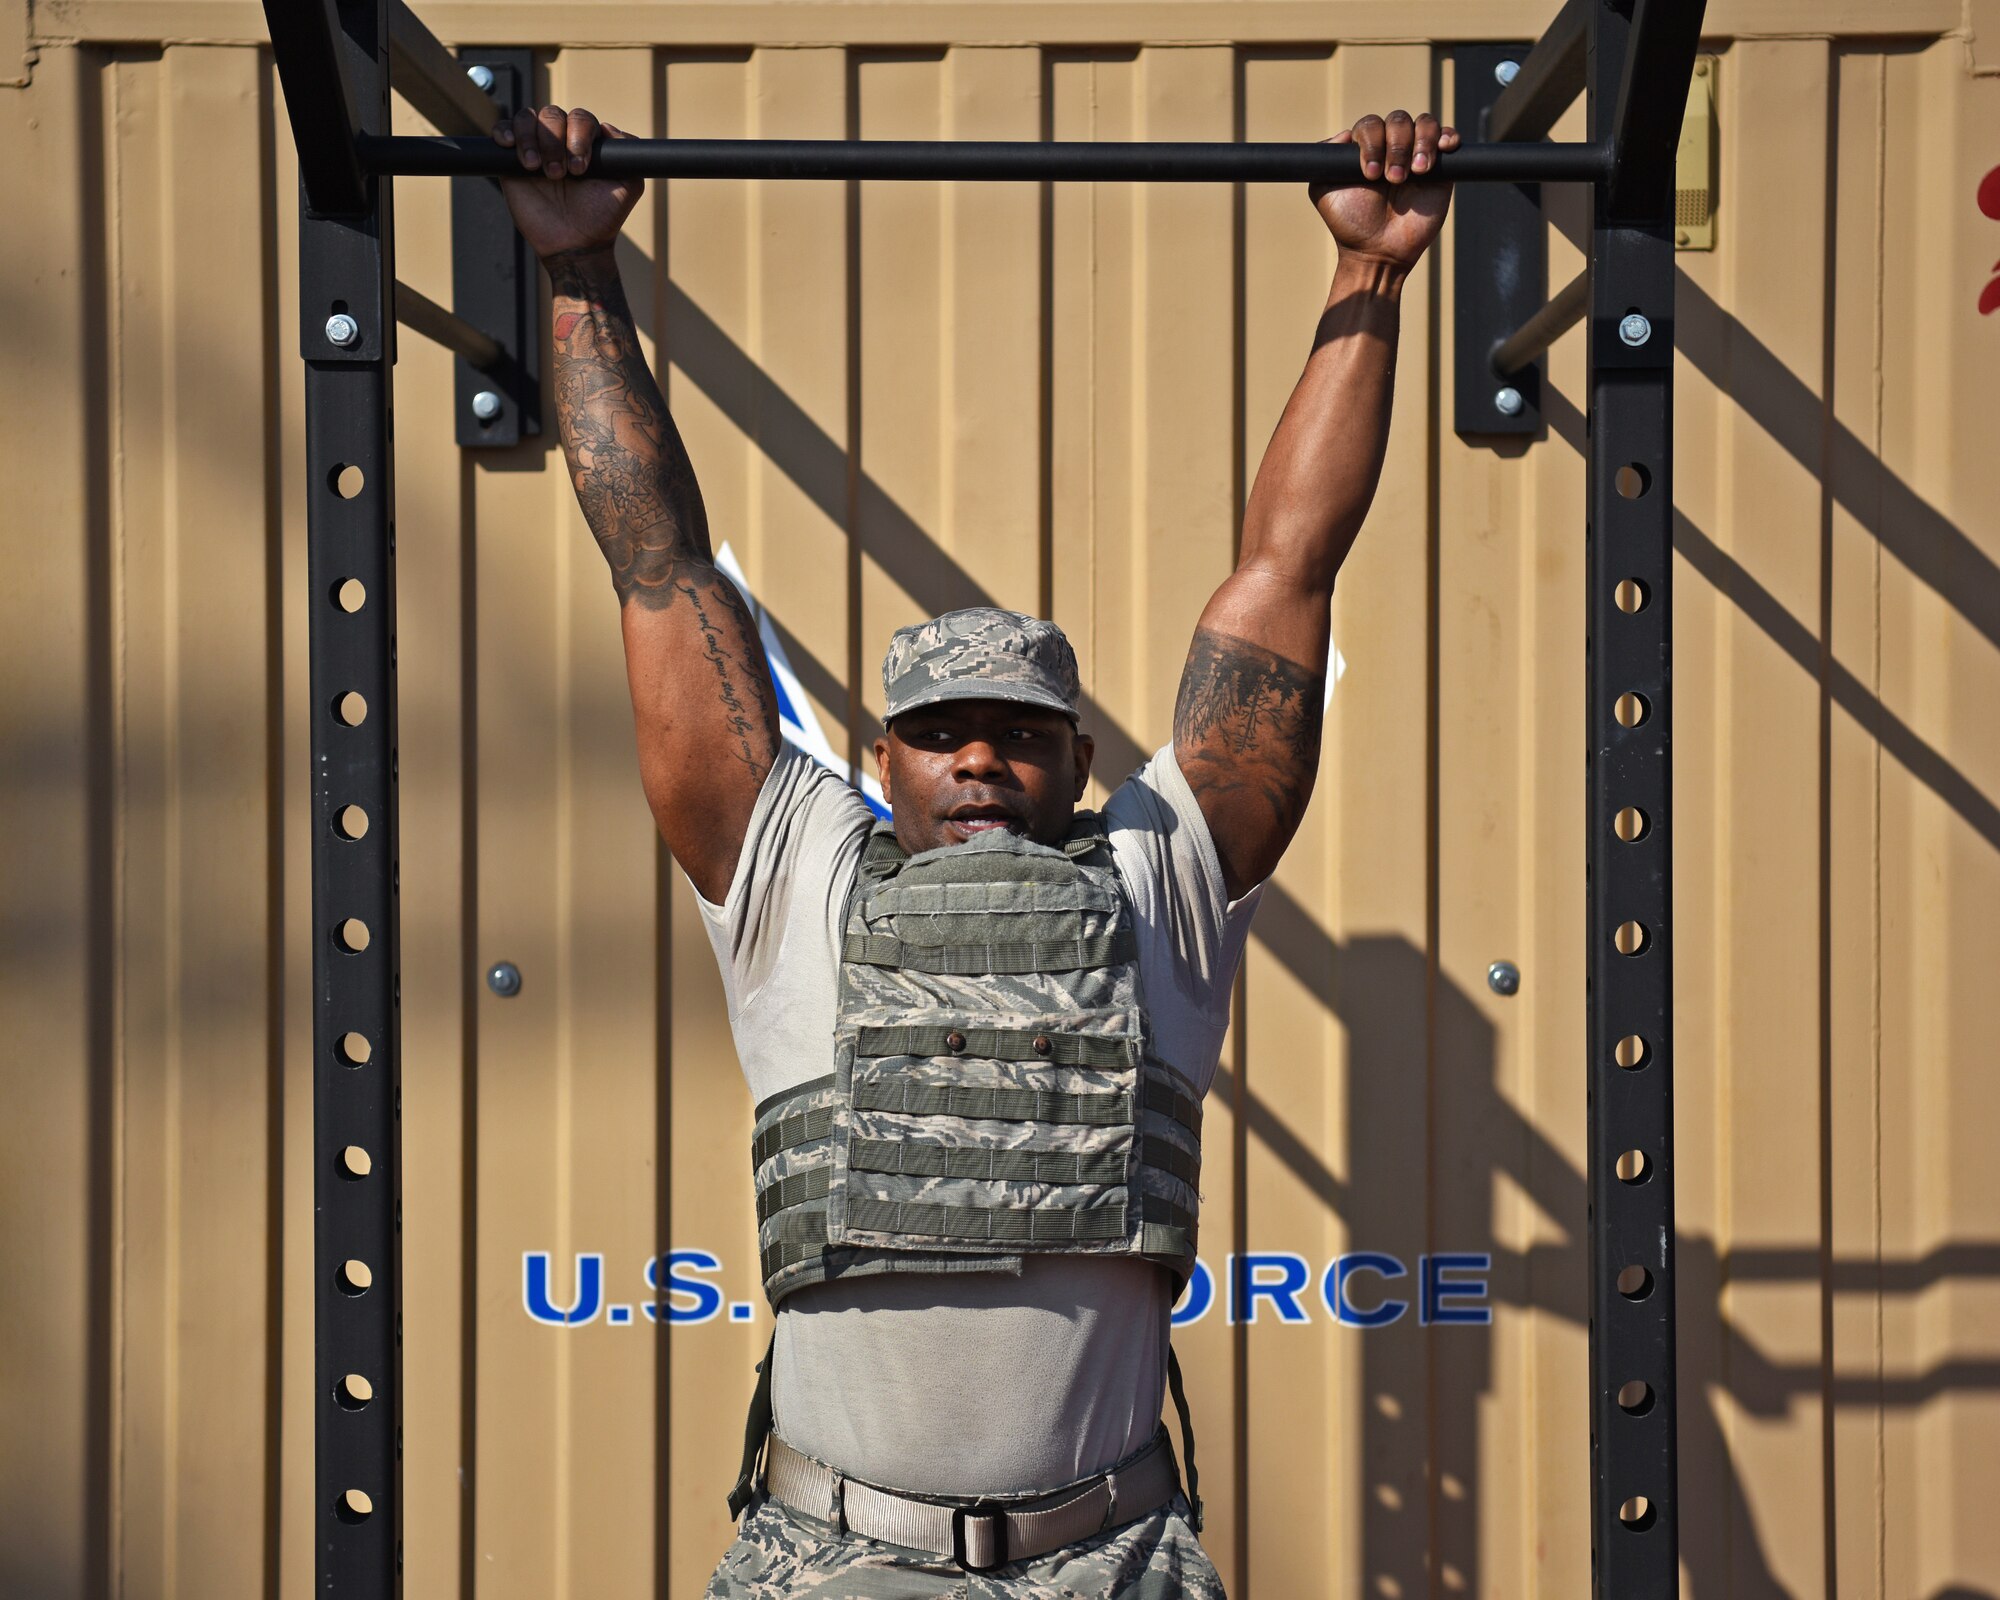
(626, 459)
(638, 493)
(1246, 733)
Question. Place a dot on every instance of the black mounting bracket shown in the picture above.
(496, 285)
(1499, 265)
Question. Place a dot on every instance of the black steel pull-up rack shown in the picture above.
(1631, 59)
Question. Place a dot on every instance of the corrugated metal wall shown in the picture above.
(907, 398)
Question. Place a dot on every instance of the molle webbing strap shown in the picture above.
(977, 960)
(795, 1236)
(1013, 897)
(798, 1091)
(1164, 1212)
(975, 1102)
(756, 1429)
(998, 1044)
(777, 1257)
(1015, 1166)
(1061, 1225)
(793, 1191)
(800, 1225)
(788, 1132)
(1169, 1101)
(1170, 1157)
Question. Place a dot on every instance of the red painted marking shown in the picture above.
(566, 322)
(1989, 203)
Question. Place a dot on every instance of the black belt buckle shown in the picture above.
(979, 1537)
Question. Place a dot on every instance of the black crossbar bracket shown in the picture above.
(1549, 80)
(1499, 270)
(496, 286)
(427, 75)
(308, 44)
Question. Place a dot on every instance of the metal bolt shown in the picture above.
(1635, 330)
(482, 78)
(486, 405)
(1505, 72)
(1507, 401)
(1503, 977)
(342, 330)
(504, 979)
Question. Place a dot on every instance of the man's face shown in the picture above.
(962, 768)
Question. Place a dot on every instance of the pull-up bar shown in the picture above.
(1027, 161)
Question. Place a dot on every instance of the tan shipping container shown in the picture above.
(903, 398)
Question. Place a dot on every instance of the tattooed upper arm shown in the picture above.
(1246, 734)
(701, 693)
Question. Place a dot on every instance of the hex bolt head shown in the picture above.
(1635, 330)
(342, 330)
(482, 78)
(486, 405)
(1505, 72)
(504, 979)
(1503, 977)
(1507, 401)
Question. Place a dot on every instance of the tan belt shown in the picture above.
(980, 1536)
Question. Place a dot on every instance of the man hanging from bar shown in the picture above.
(978, 1039)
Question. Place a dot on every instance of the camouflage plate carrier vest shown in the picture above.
(993, 1092)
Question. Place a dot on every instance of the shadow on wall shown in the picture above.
(1377, 987)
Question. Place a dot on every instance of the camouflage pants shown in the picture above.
(780, 1554)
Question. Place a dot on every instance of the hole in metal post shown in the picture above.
(355, 1162)
(353, 1049)
(350, 709)
(1631, 824)
(351, 822)
(1631, 1052)
(353, 1392)
(1636, 1397)
(350, 594)
(1633, 1167)
(1638, 1513)
(1631, 595)
(1631, 938)
(351, 935)
(353, 1506)
(346, 480)
(354, 1277)
(1631, 709)
(1632, 481)
(1635, 1282)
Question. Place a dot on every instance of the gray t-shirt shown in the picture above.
(968, 1383)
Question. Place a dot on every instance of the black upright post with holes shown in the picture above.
(347, 336)
(1640, 57)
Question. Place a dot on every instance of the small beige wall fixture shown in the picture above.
(903, 398)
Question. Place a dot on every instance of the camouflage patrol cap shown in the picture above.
(980, 653)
